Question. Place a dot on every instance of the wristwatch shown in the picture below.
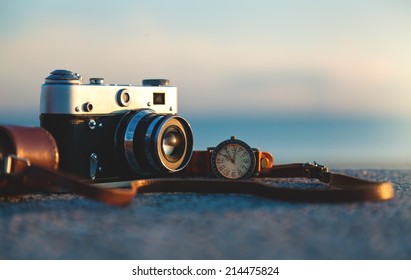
(232, 159)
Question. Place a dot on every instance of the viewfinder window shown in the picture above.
(159, 98)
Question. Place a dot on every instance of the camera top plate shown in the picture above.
(64, 93)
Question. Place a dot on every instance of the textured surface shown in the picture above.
(190, 226)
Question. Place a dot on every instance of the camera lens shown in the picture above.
(173, 144)
(150, 143)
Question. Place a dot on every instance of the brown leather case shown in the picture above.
(29, 161)
(32, 143)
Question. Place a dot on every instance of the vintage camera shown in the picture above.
(113, 132)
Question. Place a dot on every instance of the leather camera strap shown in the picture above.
(29, 159)
(340, 187)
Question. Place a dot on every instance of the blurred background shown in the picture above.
(306, 80)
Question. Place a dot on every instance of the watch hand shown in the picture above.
(226, 156)
(228, 153)
(235, 155)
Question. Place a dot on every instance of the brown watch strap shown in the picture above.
(200, 163)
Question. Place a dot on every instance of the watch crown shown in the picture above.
(233, 138)
(265, 163)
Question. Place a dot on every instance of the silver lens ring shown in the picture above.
(148, 140)
(183, 127)
(129, 141)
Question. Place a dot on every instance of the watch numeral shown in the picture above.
(221, 168)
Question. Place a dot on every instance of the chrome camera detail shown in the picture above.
(64, 91)
(134, 129)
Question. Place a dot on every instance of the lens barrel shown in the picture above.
(151, 143)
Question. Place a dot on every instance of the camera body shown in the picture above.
(110, 132)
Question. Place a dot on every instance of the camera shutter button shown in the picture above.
(63, 76)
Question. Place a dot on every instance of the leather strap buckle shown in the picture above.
(315, 170)
(9, 163)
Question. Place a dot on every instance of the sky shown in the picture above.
(228, 58)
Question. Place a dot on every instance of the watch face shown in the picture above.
(233, 159)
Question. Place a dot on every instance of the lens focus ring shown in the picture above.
(153, 143)
(129, 137)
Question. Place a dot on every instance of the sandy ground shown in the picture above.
(213, 226)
